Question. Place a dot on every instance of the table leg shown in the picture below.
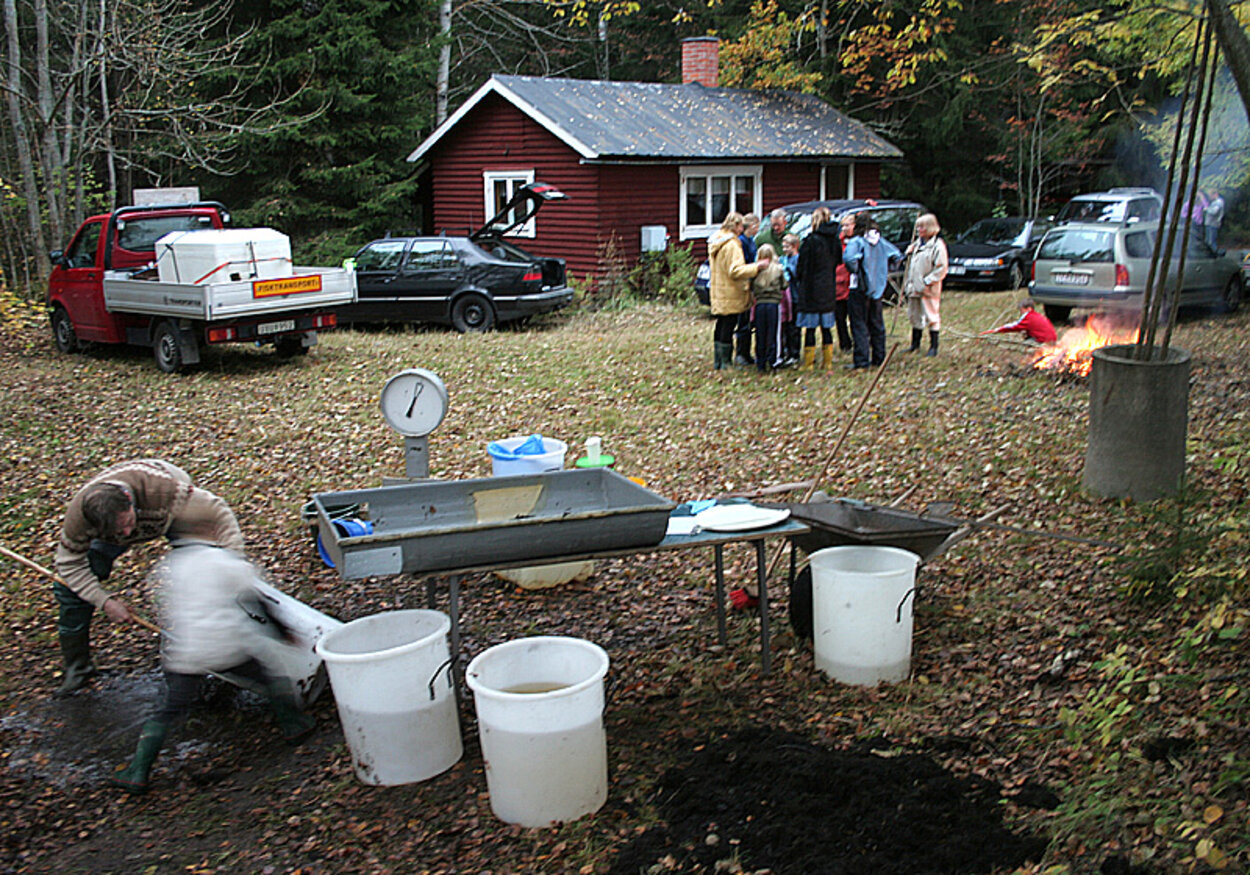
(761, 571)
(429, 593)
(722, 634)
(453, 610)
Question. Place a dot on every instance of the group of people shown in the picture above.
(1206, 214)
(835, 279)
(212, 617)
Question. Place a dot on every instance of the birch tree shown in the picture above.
(103, 96)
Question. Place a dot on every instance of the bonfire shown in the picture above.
(1073, 352)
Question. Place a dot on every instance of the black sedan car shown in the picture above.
(470, 283)
(995, 253)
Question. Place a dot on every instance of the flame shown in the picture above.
(1073, 352)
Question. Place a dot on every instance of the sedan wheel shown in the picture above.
(472, 313)
(1058, 313)
(1232, 294)
(1015, 276)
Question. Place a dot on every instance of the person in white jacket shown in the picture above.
(212, 620)
(926, 268)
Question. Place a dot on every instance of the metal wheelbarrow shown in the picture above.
(850, 522)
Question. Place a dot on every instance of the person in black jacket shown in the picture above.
(819, 257)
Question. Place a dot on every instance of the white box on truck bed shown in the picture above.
(223, 255)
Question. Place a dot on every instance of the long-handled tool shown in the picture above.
(837, 448)
(48, 572)
(987, 523)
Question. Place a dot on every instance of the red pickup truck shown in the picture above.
(103, 289)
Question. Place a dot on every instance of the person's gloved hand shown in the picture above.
(100, 556)
(741, 599)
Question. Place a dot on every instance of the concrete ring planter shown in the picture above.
(1138, 420)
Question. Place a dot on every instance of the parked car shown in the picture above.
(995, 252)
(1118, 205)
(471, 283)
(897, 220)
(1093, 265)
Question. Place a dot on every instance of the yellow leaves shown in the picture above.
(905, 44)
(579, 12)
(762, 56)
(1207, 851)
(1212, 813)
(17, 311)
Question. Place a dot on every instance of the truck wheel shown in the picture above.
(472, 313)
(166, 349)
(63, 331)
(287, 347)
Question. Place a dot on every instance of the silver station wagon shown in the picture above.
(1100, 266)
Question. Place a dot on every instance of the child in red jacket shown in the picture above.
(1031, 322)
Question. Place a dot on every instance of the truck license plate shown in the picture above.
(276, 327)
(1071, 279)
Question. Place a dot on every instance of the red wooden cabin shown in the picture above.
(635, 155)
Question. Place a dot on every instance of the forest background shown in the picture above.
(298, 114)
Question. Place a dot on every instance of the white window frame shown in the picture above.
(849, 194)
(702, 229)
(515, 179)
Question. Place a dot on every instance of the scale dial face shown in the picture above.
(414, 402)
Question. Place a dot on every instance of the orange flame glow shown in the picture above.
(1073, 352)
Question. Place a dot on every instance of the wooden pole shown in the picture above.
(48, 572)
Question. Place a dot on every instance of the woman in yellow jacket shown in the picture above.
(730, 288)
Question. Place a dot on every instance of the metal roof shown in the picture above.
(642, 121)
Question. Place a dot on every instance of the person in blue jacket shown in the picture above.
(868, 258)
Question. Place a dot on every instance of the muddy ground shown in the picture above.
(228, 796)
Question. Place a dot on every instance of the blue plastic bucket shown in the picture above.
(347, 528)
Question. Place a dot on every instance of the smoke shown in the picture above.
(1226, 156)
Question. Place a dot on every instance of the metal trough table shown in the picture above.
(716, 540)
(456, 527)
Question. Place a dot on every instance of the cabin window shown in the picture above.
(500, 187)
(708, 194)
(837, 181)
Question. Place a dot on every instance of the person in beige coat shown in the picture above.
(126, 504)
(926, 268)
(730, 287)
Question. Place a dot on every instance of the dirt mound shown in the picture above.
(772, 800)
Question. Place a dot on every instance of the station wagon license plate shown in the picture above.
(276, 327)
(955, 270)
(1071, 279)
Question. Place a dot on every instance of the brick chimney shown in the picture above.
(700, 61)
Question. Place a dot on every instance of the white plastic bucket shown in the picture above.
(862, 613)
(390, 676)
(550, 460)
(540, 720)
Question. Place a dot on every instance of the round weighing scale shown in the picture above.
(414, 403)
